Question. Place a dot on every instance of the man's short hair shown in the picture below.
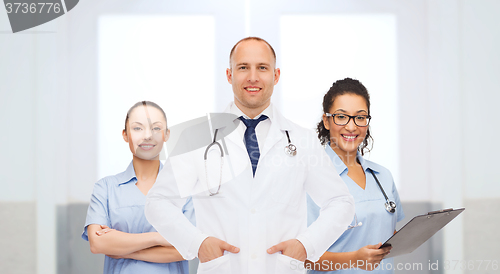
(252, 38)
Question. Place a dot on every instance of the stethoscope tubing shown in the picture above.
(214, 143)
(290, 150)
(390, 206)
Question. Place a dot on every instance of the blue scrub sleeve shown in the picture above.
(312, 210)
(188, 211)
(97, 212)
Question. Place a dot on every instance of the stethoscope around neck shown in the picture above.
(389, 205)
(290, 150)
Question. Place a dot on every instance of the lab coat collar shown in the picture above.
(280, 121)
(278, 125)
(129, 174)
(232, 108)
(276, 132)
(274, 116)
(234, 136)
(341, 167)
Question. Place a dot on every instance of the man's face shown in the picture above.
(253, 76)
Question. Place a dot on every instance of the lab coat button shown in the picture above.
(254, 256)
(253, 210)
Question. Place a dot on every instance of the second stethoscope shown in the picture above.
(389, 205)
(290, 150)
(221, 162)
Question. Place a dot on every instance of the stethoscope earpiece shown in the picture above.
(356, 223)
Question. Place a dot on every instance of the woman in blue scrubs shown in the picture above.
(344, 130)
(116, 224)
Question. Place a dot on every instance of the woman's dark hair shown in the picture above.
(341, 87)
(144, 103)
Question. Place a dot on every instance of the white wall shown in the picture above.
(443, 136)
(17, 112)
(36, 140)
(463, 38)
(480, 82)
(480, 41)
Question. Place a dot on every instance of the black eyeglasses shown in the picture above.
(341, 119)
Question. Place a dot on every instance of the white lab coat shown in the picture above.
(252, 213)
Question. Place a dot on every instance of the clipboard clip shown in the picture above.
(440, 211)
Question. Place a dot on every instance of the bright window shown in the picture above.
(155, 58)
(317, 50)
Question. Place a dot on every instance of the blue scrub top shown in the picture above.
(118, 203)
(378, 225)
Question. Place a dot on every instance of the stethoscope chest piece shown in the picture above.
(291, 150)
(390, 206)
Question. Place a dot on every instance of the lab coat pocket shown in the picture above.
(287, 265)
(217, 265)
(288, 183)
(289, 195)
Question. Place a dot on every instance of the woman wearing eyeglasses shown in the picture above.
(116, 224)
(345, 131)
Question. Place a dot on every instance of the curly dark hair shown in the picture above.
(341, 87)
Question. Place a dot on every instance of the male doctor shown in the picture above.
(250, 204)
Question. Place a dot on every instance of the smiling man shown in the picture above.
(253, 75)
(254, 222)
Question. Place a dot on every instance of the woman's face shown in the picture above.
(346, 138)
(146, 132)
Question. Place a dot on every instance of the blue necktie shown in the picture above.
(251, 140)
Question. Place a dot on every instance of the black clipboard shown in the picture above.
(419, 230)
